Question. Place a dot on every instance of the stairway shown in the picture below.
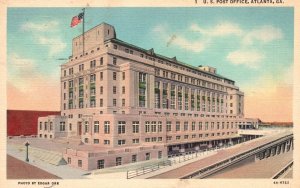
(50, 157)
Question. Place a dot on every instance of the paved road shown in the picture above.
(17, 169)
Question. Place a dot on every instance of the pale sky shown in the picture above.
(253, 46)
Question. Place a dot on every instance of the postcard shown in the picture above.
(153, 94)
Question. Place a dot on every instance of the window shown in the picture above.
(101, 60)
(114, 61)
(169, 138)
(93, 64)
(81, 81)
(134, 158)
(100, 164)
(114, 102)
(86, 127)
(123, 90)
(177, 137)
(153, 126)
(46, 126)
(142, 77)
(69, 160)
(106, 127)
(193, 126)
(101, 90)
(135, 141)
(101, 75)
(159, 139)
(114, 89)
(96, 141)
(92, 102)
(101, 102)
(70, 126)
(106, 142)
(147, 156)
(96, 126)
(114, 76)
(81, 67)
(121, 127)
(206, 125)
(51, 126)
(177, 126)
(71, 84)
(123, 102)
(159, 154)
(147, 139)
(79, 163)
(153, 139)
(123, 75)
(41, 125)
(147, 126)
(159, 126)
(169, 126)
(200, 125)
(61, 126)
(121, 142)
(186, 125)
(186, 136)
(92, 78)
(135, 127)
(118, 161)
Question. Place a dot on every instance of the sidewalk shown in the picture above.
(17, 169)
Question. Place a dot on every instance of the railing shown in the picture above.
(147, 169)
(204, 172)
(283, 171)
(182, 157)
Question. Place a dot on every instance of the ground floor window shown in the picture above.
(159, 154)
(79, 163)
(134, 158)
(100, 164)
(118, 161)
(69, 160)
(147, 156)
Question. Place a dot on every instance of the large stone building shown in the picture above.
(128, 104)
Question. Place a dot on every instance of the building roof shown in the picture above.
(173, 60)
(151, 52)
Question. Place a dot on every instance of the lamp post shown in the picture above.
(27, 144)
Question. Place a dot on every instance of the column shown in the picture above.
(278, 149)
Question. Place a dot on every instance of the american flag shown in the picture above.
(77, 19)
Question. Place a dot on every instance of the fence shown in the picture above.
(173, 159)
(147, 169)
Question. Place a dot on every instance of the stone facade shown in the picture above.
(123, 99)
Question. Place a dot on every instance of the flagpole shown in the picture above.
(83, 31)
